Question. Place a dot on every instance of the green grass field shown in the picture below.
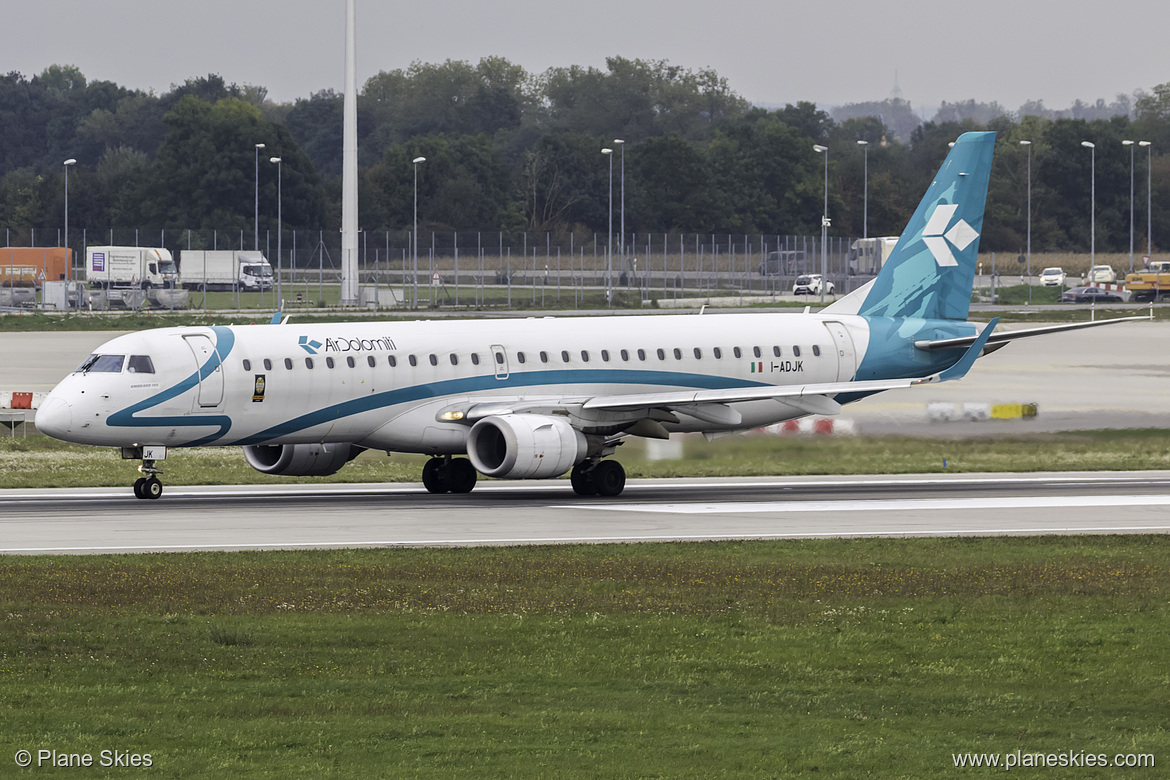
(876, 658)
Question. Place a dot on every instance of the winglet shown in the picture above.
(960, 369)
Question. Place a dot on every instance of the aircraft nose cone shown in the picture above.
(54, 418)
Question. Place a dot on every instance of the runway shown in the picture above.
(110, 520)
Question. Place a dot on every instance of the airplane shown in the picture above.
(535, 398)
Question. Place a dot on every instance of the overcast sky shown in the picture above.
(770, 51)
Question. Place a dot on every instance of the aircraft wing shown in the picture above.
(997, 340)
(813, 398)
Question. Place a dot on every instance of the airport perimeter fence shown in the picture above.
(458, 267)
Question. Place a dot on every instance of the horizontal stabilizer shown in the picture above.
(1001, 338)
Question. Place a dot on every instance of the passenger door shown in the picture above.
(210, 393)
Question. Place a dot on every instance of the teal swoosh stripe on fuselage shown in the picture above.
(419, 392)
(126, 418)
(466, 385)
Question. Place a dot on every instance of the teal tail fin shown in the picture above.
(932, 269)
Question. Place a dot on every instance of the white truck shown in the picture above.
(129, 266)
(225, 269)
(868, 255)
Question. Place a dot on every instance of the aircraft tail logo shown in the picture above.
(930, 273)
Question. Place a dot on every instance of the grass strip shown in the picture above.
(37, 461)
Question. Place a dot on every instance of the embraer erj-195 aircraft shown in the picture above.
(534, 398)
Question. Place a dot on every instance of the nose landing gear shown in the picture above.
(148, 485)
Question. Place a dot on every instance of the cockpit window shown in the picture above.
(105, 364)
(140, 364)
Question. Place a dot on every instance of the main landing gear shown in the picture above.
(598, 478)
(449, 475)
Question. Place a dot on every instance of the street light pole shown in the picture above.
(824, 222)
(865, 212)
(68, 163)
(622, 237)
(1149, 201)
(256, 222)
(279, 231)
(414, 270)
(1092, 204)
(1029, 267)
(609, 245)
(1130, 145)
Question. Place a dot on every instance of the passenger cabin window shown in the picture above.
(625, 354)
(756, 351)
(454, 359)
(348, 361)
(475, 358)
(677, 353)
(641, 354)
(543, 357)
(718, 353)
(267, 364)
(776, 351)
(796, 351)
(661, 354)
(434, 360)
(816, 351)
(370, 361)
(520, 357)
(605, 355)
(698, 354)
(393, 361)
(247, 365)
(288, 363)
(500, 358)
(329, 362)
(140, 364)
(565, 355)
(412, 360)
(737, 352)
(584, 356)
(309, 363)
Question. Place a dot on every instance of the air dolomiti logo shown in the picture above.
(939, 239)
(312, 346)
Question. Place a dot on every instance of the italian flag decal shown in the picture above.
(758, 368)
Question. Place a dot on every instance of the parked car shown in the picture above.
(785, 261)
(1052, 277)
(1089, 295)
(1102, 274)
(810, 284)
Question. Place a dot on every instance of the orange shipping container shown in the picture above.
(23, 266)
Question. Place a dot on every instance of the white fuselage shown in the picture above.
(384, 384)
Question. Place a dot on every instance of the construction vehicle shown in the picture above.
(1151, 283)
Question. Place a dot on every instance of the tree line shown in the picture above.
(507, 150)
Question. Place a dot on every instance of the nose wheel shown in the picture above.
(149, 486)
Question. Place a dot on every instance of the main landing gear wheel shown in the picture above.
(449, 475)
(607, 478)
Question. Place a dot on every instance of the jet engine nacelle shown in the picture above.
(300, 460)
(525, 446)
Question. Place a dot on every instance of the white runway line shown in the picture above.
(884, 505)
